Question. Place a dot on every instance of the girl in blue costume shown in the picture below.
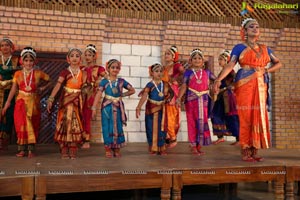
(156, 92)
(112, 110)
(225, 119)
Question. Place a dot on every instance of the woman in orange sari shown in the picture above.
(27, 113)
(172, 74)
(69, 128)
(251, 88)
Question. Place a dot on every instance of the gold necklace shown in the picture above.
(252, 46)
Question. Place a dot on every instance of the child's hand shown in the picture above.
(49, 106)
(137, 112)
(178, 102)
(94, 112)
(6, 106)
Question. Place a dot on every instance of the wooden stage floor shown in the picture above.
(136, 169)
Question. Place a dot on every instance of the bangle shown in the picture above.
(93, 108)
(50, 99)
(138, 108)
(217, 80)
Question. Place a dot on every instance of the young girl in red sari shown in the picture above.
(251, 89)
(69, 127)
(94, 74)
(27, 110)
(196, 89)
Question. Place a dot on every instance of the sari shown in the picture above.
(251, 88)
(6, 121)
(196, 105)
(88, 93)
(155, 116)
(172, 112)
(69, 127)
(113, 115)
(27, 114)
(224, 117)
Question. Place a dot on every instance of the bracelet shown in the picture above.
(50, 99)
(93, 108)
(267, 70)
(138, 108)
(217, 80)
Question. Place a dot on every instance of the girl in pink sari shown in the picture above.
(196, 89)
(251, 89)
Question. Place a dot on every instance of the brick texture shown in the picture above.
(55, 31)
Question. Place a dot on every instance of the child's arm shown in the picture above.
(181, 93)
(12, 93)
(96, 100)
(52, 96)
(130, 91)
(141, 103)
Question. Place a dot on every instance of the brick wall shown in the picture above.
(139, 43)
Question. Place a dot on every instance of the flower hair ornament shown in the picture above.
(174, 51)
(91, 48)
(245, 24)
(28, 51)
(225, 55)
(110, 62)
(10, 42)
(196, 51)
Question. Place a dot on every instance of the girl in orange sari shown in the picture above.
(251, 88)
(27, 113)
(172, 74)
(94, 74)
(69, 127)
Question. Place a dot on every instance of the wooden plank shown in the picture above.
(217, 11)
(17, 186)
(189, 7)
(112, 181)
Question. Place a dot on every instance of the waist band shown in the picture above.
(70, 90)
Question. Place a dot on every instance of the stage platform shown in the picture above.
(136, 169)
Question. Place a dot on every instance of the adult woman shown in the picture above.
(251, 88)
(172, 74)
(224, 114)
(8, 65)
